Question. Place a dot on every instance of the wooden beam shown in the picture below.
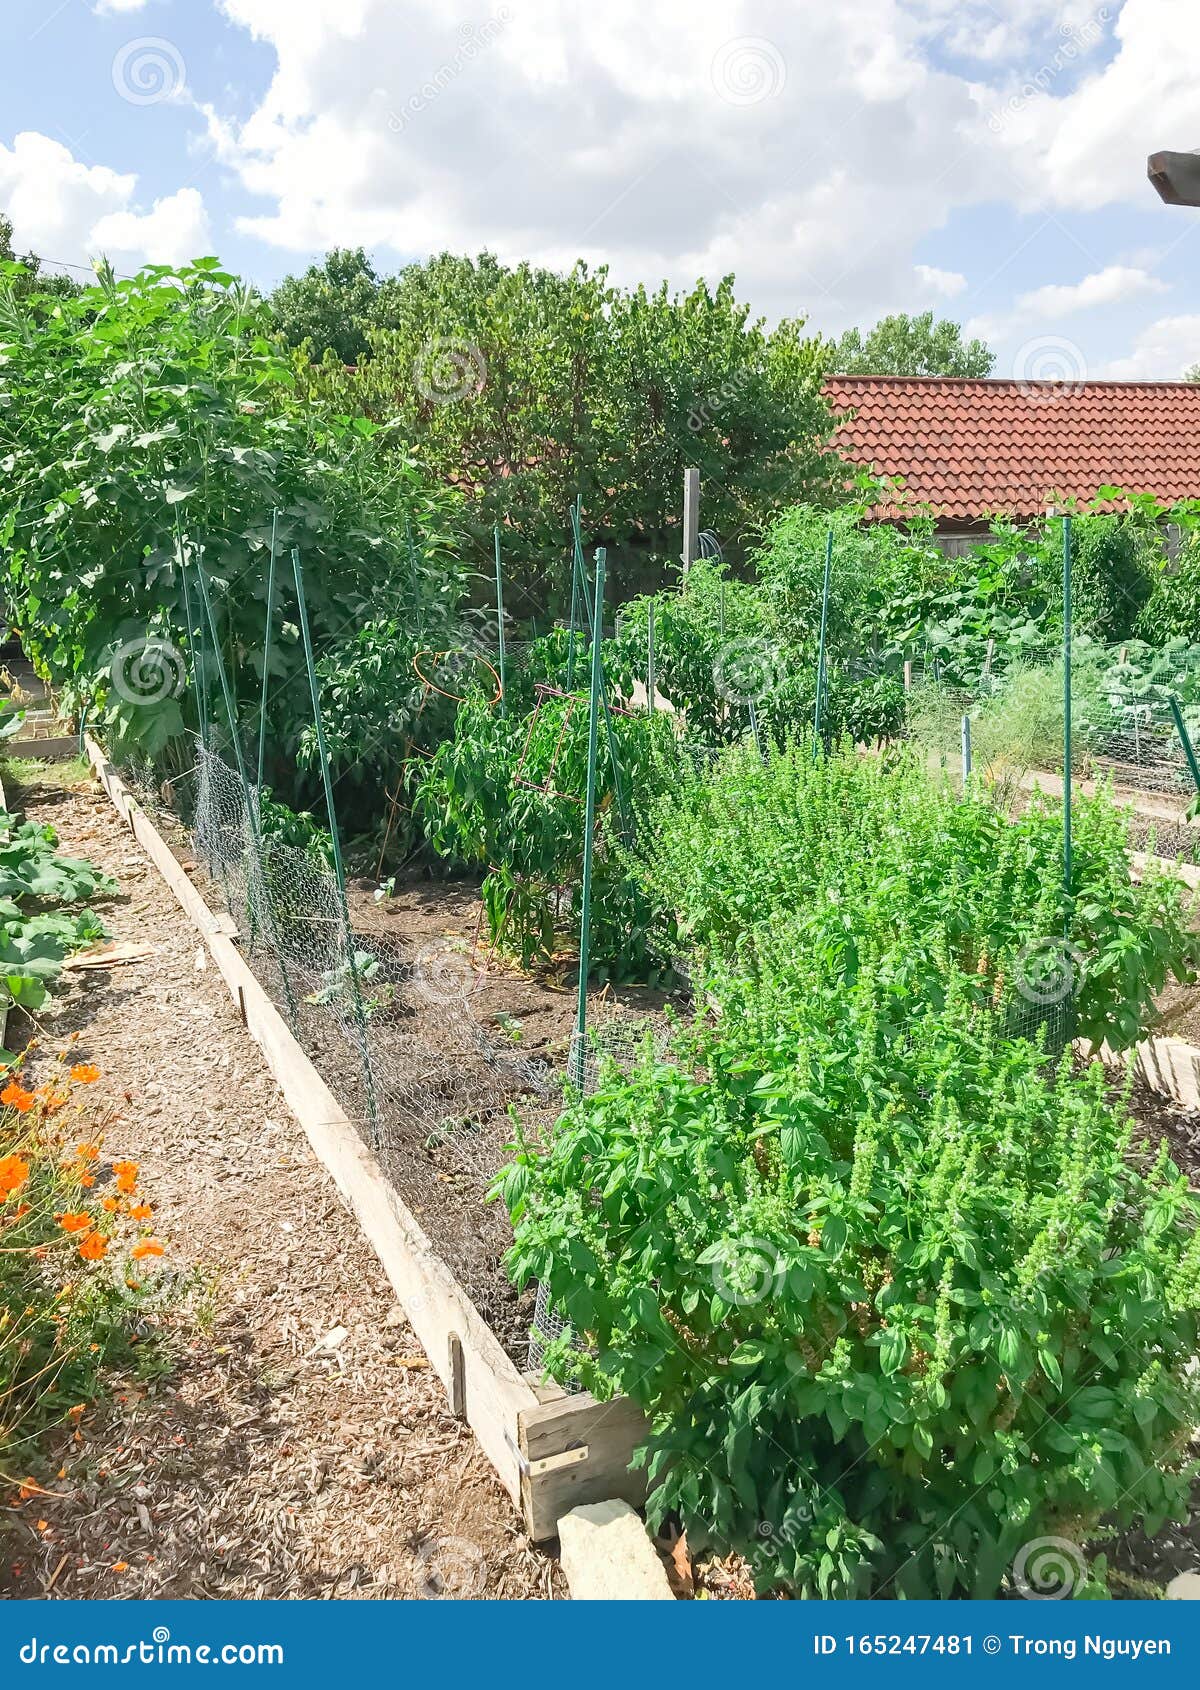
(576, 1450)
(691, 517)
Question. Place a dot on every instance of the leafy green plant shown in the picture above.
(35, 941)
(893, 1307)
(897, 1295)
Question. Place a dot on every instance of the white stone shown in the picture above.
(607, 1556)
(1184, 1587)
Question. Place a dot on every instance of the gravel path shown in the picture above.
(296, 1442)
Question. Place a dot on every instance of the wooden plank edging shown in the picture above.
(481, 1378)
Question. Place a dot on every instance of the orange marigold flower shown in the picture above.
(16, 1097)
(146, 1247)
(140, 1211)
(93, 1247)
(85, 1073)
(14, 1171)
(78, 1221)
(77, 1412)
(52, 1100)
(112, 1204)
(87, 1152)
(87, 1179)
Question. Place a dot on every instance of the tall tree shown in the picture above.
(909, 346)
(526, 387)
(330, 307)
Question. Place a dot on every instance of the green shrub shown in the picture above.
(893, 1305)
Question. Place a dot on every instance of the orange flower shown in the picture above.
(140, 1211)
(14, 1171)
(87, 1152)
(126, 1173)
(120, 1566)
(16, 1097)
(87, 1179)
(85, 1073)
(112, 1204)
(146, 1247)
(79, 1221)
(77, 1412)
(93, 1247)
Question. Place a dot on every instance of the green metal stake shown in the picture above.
(339, 869)
(819, 707)
(251, 808)
(500, 618)
(197, 666)
(262, 712)
(589, 827)
(1185, 739)
(1067, 864)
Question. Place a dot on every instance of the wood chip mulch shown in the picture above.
(286, 1436)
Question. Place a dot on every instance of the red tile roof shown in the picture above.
(970, 449)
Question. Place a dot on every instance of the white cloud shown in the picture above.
(1104, 287)
(1163, 351)
(53, 199)
(69, 212)
(805, 147)
(945, 283)
(175, 230)
(104, 8)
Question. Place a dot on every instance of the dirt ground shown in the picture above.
(296, 1442)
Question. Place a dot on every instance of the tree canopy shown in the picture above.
(35, 281)
(909, 346)
(330, 307)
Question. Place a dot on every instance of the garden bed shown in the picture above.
(551, 1451)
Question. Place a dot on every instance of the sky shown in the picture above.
(983, 160)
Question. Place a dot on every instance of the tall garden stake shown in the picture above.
(574, 515)
(262, 710)
(1185, 739)
(248, 798)
(819, 707)
(500, 617)
(579, 1063)
(197, 662)
(1066, 585)
(650, 655)
(360, 1014)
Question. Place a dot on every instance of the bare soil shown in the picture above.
(286, 1436)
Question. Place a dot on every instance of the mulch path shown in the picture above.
(286, 1436)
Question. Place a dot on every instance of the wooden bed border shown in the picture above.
(551, 1451)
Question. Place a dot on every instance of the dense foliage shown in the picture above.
(909, 346)
(41, 923)
(150, 419)
(896, 1295)
(527, 388)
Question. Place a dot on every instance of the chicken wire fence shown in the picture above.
(396, 1026)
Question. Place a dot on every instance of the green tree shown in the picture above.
(330, 307)
(908, 346)
(526, 387)
(34, 281)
